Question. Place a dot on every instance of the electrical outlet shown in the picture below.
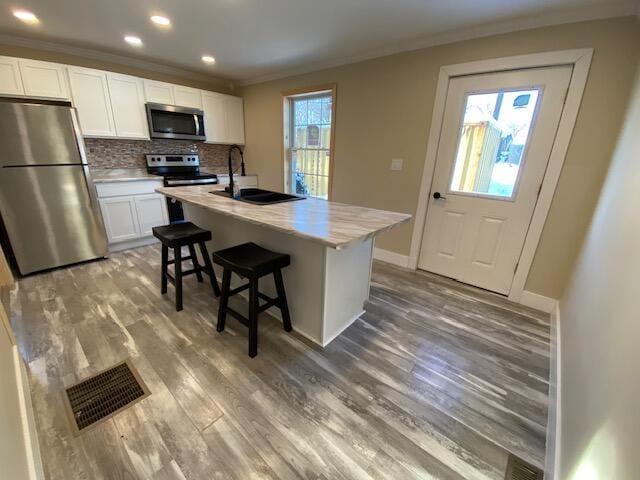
(396, 164)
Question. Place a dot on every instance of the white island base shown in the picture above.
(326, 288)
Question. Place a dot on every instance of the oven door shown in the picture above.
(168, 121)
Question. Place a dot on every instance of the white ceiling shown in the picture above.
(260, 39)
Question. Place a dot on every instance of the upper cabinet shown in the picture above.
(187, 97)
(234, 119)
(90, 92)
(44, 79)
(223, 118)
(10, 78)
(213, 106)
(127, 104)
(112, 105)
(168, 94)
(159, 92)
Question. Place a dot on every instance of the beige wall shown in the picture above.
(214, 84)
(384, 111)
(600, 330)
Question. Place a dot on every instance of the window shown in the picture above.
(308, 126)
(493, 140)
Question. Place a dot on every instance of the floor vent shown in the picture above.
(101, 396)
(518, 469)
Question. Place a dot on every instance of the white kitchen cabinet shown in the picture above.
(187, 97)
(223, 118)
(127, 104)
(234, 119)
(213, 106)
(90, 94)
(130, 210)
(10, 78)
(44, 79)
(120, 218)
(112, 105)
(152, 212)
(159, 92)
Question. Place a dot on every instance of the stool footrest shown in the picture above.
(241, 318)
(173, 260)
(270, 302)
(242, 288)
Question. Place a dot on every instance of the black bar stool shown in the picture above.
(176, 236)
(252, 262)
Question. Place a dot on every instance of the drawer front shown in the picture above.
(138, 187)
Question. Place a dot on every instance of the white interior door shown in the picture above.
(497, 133)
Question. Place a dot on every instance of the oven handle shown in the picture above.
(169, 183)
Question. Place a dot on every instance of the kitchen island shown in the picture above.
(331, 248)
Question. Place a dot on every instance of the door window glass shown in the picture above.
(493, 139)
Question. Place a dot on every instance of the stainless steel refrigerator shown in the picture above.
(47, 200)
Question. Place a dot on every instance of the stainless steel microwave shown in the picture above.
(168, 121)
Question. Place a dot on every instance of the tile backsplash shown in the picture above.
(118, 153)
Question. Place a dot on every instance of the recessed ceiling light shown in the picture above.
(208, 59)
(26, 16)
(160, 20)
(134, 41)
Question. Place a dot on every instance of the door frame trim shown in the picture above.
(580, 60)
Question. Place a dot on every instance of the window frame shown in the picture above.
(287, 123)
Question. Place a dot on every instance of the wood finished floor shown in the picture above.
(436, 380)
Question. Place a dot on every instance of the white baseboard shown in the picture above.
(391, 257)
(31, 444)
(138, 242)
(539, 302)
(552, 457)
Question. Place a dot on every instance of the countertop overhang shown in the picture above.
(336, 225)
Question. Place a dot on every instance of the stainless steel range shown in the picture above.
(178, 171)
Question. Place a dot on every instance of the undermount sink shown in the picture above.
(259, 196)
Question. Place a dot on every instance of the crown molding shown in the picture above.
(595, 12)
(93, 54)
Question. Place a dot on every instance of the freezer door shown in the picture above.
(33, 134)
(50, 217)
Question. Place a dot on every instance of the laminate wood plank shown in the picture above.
(171, 471)
(195, 401)
(142, 442)
(437, 380)
(335, 400)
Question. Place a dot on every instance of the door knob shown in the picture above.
(437, 196)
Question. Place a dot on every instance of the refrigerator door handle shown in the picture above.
(93, 195)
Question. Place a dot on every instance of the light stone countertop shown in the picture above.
(107, 175)
(336, 225)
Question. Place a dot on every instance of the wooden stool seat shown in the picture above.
(253, 262)
(176, 236)
(181, 234)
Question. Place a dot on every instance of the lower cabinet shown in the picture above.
(120, 218)
(151, 211)
(130, 211)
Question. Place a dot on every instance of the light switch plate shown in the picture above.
(396, 164)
